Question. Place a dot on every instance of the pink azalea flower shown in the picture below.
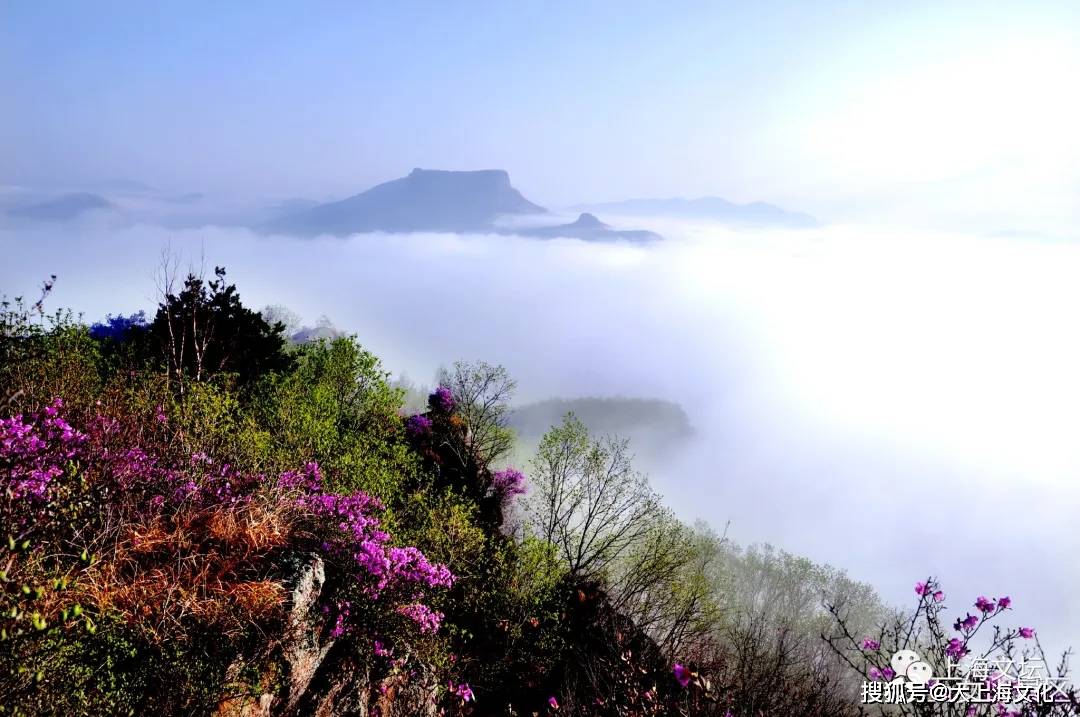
(967, 624)
(682, 674)
(939, 596)
(874, 673)
(984, 605)
(442, 399)
(426, 619)
(1004, 602)
(553, 703)
(508, 483)
(418, 426)
(956, 648)
(888, 673)
(463, 691)
(920, 588)
(1027, 633)
(870, 643)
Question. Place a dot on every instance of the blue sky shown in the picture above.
(953, 113)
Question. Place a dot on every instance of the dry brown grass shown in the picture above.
(198, 566)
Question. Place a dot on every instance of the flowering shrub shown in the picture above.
(360, 537)
(441, 400)
(36, 450)
(172, 547)
(508, 483)
(418, 426)
(463, 691)
(954, 652)
(427, 619)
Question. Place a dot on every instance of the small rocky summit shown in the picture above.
(589, 228)
(589, 221)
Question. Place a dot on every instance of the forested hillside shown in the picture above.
(202, 517)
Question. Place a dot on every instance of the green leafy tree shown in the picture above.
(337, 407)
(44, 355)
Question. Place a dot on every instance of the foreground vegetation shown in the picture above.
(203, 517)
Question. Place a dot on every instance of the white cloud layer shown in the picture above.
(897, 404)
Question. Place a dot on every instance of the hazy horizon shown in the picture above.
(953, 117)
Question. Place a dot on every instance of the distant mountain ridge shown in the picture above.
(657, 429)
(63, 208)
(589, 228)
(759, 214)
(616, 415)
(425, 200)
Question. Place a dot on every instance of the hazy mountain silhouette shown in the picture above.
(712, 209)
(608, 415)
(426, 200)
(657, 429)
(62, 209)
(590, 228)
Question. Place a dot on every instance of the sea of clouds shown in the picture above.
(900, 404)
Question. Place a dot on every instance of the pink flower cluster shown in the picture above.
(418, 426)
(922, 588)
(956, 648)
(966, 624)
(442, 400)
(368, 544)
(341, 621)
(34, 452)
(463, 691)
(875, 674)
(682, 674)
(37, 450)
(308, 480)
(508, 483)
(426, 619)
